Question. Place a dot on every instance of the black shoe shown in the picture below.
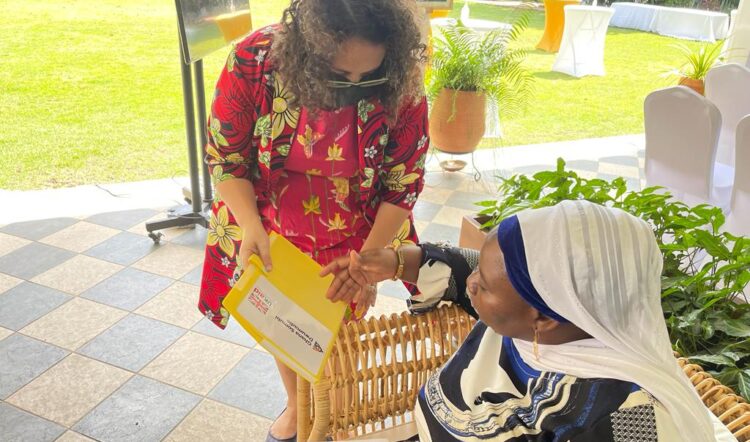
(270, 437)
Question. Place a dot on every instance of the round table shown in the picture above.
(554, 22)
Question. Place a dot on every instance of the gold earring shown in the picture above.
(536, 344)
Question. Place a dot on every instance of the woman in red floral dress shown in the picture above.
(318, 131)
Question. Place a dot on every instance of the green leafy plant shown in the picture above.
(705, 270)
(697, 62)
(467, 60)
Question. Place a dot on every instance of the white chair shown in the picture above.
(582, 46)
(738, 220)
(682, 132)
(728, 87)
(737, 46)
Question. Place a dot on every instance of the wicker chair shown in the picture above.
(378, 366)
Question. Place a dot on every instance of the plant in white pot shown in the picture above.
(469, 68)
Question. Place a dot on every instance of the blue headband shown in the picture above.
(510, 238)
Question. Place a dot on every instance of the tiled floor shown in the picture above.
(100, 337)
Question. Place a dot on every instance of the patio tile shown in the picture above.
(169, 234)
(9, 243)
(72, 436)
(618, 170)
(532, 169)
(195, 238)
(125, 248)
(28, 302)
(215, 418)
(420, 226)
(176, 305)
(425, 210)
(451, 216)
(79, 237)
(386, 305)
(195, 362)
(20, 426)
(623, 160)
(256, 376)
(444, 180)
(74, 323)
(142, 410)
(194, 276)
(122, 220)
(33, 259)
(486, 185)
(38, 229)
(440, 233)
(70, 389)
(127, 289)
(4, 333)
(435, 195)
(133, 342)
(171, 260)
(22, 359)
(232, 333)
(7, 282)
(466, 200)
(77, 274)
(582, 165)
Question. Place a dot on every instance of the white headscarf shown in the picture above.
(600, 268)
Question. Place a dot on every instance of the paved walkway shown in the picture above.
(99, 334)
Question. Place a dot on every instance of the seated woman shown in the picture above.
(571, 343)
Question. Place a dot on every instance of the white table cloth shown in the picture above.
(633, 16)
(582, 47)
(690, 24)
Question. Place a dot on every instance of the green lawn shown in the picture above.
(90, 91)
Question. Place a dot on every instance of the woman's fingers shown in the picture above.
(264, 252)
(335, 266)
(349, 291)
(335, 287)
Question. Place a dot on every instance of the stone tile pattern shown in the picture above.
(127, 342)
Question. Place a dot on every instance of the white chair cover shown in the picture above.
(582, 47)
(682, 132)
(728, 87)
(738, 220)
(737, 47)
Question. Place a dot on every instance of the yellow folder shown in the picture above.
(286, 310)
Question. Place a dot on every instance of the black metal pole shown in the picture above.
(187, 98)
(200, 97)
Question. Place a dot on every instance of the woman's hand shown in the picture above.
(368, 295)
(359, 270)
(255, 241)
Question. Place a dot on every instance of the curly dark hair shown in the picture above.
(310, 35)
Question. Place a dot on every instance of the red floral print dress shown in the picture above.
(306, 172)
(317, 208)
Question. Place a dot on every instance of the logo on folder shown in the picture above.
(317, 347)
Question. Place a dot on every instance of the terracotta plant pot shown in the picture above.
(460, 132)
(696, 85)
(472, 236)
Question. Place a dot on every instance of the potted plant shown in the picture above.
(697, 63)
(705, 272)
(468, 68)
